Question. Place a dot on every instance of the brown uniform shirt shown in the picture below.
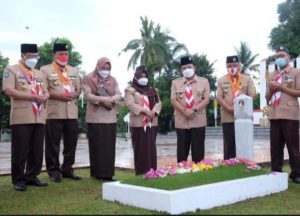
(224, 91)
(133, 100)
(289, 106)
(57, 109)
(95, 112)
(201, 90)
(21, 111)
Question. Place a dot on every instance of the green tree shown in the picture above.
(151, 49)
(256, 101)
(287, 33)
(247, 59)
(4, 100)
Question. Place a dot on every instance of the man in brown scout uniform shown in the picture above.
(229, 87)
(62, 113)
(190, 96)
(26, 88)
(283, 90)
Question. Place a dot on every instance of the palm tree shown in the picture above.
(247, 59)
(151, 50)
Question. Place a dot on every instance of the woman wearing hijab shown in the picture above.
(144, 105)
(102, 92)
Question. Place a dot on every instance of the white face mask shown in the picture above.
(104, 73)
(188, 73)
(143, 81)
(31, 63)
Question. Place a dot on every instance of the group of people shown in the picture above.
(44, 103)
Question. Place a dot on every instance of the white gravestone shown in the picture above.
(243, 125)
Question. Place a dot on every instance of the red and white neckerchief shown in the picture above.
(35, 89)
(188, 96)
(63, 74)
(276, 96)
(146, 106)
(67, 87)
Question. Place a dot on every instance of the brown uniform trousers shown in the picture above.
(227, 119)
(27, 128)
(190, 132)
(102, 129)
(143, 143)
(61, 120)
(284, 120)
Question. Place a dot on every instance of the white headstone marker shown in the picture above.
(243, 125)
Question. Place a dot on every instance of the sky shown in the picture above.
(100, 28)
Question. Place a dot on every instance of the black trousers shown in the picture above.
(228, 140)
(283, 132)
(102, 149)
(55, 128)
(190, 138)
(144, 149)
(26, 151)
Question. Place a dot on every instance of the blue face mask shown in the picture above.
(281, 62)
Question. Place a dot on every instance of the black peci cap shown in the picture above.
(186, 60)
(232, 59)
(60, 47)
(29, 48)
(282, 48)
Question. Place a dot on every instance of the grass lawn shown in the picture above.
(84, 197)
(180, 181)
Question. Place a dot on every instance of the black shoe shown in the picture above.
(20, 187)
(71, 176)
(296, 180)
(111, 179)
(55, 178)
(37, 183)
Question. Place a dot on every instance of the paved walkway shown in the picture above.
(166, 152)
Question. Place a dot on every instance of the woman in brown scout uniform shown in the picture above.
(27, 90)
(102, 93)
(229, 87)
(144, 105)
(283, 90)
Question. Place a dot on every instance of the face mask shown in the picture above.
(104, 73)
(63, 59)
(143, 81)
(31, 63)
(188, 73)
(281, 62)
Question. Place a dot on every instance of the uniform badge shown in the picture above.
(180, 95)
(24, 87)
(5, 74)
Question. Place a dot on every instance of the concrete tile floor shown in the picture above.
(166, 152)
